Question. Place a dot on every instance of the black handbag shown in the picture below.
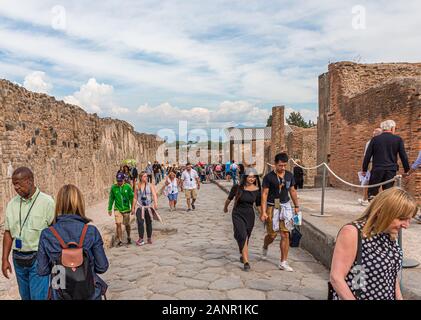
(24, 260)
(295, 237)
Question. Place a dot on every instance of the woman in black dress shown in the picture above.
(246, 194)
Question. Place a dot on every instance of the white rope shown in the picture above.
(397, 177)
(364, 186)
(310, 168)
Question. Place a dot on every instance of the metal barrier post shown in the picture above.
(406, 263)
(322, 206)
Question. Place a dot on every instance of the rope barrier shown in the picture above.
(395, 178)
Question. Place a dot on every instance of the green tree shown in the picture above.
(296, 119)
(269, 122)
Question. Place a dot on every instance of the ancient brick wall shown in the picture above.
(323, 126)
(278, 131)
(301, 144)
(64, 144)
(360, 98)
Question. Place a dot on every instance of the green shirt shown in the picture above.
(121, 197)
(40, 217)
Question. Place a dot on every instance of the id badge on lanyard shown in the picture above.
(278, 200)
(18, 240)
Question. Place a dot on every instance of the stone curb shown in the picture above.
(321, 245)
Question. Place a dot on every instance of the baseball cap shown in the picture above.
(120, 176)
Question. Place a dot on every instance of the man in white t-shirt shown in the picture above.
(190, 183)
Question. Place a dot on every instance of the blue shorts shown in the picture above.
(173, 196)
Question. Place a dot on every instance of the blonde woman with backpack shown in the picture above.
(73, 246)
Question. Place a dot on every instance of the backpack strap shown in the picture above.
(82, 237)
(60, 239)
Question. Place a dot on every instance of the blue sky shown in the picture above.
(212, 63)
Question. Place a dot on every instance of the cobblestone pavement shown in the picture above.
(201, 261)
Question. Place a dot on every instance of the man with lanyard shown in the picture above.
(27, 214)
(190, 182)
(276, 207)
(121, 196)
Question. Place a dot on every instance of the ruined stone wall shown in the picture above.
(64, 144)
(301, 144)
(323, 127)
(278, 131)
(360, 98)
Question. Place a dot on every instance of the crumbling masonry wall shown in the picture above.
(301, 144)
(360, 98)
(64, 144)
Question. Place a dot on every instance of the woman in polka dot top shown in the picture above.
(367, 258)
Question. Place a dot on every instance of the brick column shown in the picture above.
(278, 131)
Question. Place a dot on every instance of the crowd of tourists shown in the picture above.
(51, 239)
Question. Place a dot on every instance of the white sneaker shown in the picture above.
(285, 266)
(264, 253)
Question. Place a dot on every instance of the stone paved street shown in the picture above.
(201, 261)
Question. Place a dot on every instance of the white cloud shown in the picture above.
(215, 51)
(94, 97)
(36, 81)
(119, 110)
(227, 114)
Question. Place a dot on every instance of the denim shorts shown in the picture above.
(172, 196)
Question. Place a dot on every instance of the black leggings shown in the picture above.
(141, 222)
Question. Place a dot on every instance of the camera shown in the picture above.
(144, 201)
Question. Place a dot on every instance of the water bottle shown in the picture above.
(298, 219)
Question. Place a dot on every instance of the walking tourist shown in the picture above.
(228, 170)
(163, 169)
(384, 150)
(209, 173)
(277, 188)
(171, 190)
(145, 204)
(202, 174)
(218, 171)
(134, 174)
(241, 170)
(190, 183)
(127, 175)
(71, 226)
(365, 180)
(121, 197)
(149, 171)
(157, 172)
(367, 259)
(27, 214)
(246, 194)
(234, 172)
(298, 176)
